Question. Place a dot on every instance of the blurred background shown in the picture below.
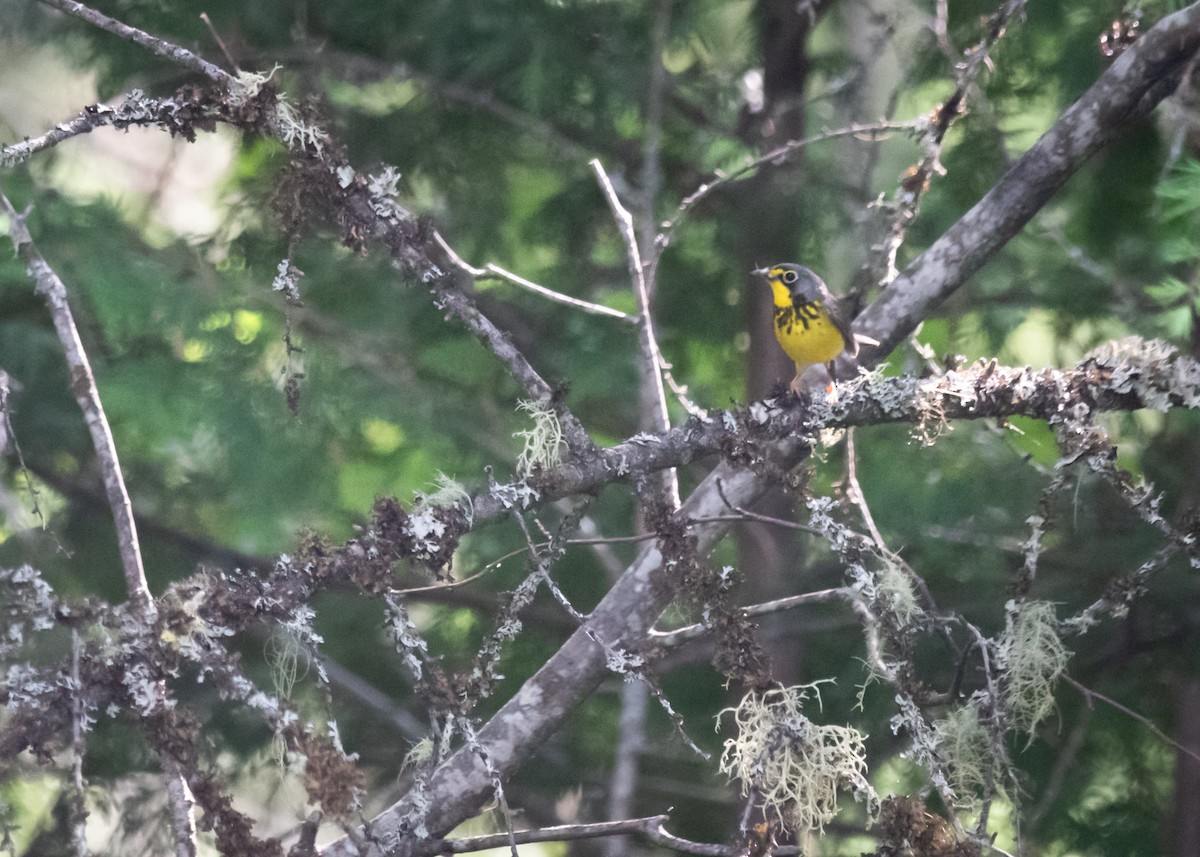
(490, 112)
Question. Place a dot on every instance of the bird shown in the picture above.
(809, 323)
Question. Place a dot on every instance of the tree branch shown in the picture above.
(1124, 376)
(83, 386)
(653, 395)
(495, 271)
(561, 833)
(1133, 375)
(163, 48)
(679, 636)
(1130, 88)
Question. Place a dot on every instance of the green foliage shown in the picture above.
(490, 111)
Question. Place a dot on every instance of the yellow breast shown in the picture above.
(807, 334)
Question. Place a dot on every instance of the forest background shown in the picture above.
(311, 299)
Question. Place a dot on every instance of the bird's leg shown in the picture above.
(828, 367)
(800, 388)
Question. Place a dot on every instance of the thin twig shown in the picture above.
(654, 396)
(681, 396)
(383, 704)
(83, 385)
(491, 270)
(994, 722)
(8, 437)
(498, 561)
(560, 833)
(746, 514)
(89, 119)
(855, 493)
(941, 31)
(672, 639)
(175, 53)
(501, 345)
(1090, 694)
(1064, 763)
(599, 543)
(472, 741)
(872, 131)
(78, 747)
(660, 836)
(452, 584)
(220, 42)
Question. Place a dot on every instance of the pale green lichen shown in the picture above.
(965, 748)
(418, 755)
(251, 83)
(1032, 656)
(793, 766)
(291, 128)
(448, 492)
(543, 442)
(283, 657)
(896, 592)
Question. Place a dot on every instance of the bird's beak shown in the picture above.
(761, 272)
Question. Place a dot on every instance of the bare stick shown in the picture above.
(91, 118)
(78, 746)
(671, 639)
(941, 30)
(995, 725)
(748, 515)
(873, 131)
(560, 833)
(599, 543)
(660, 836)
(681, 396)
(175, 53)
(654, 394)
(741, 514)
(495, 271)
(1090, 694)
(1064, 765)
(233, 64)
(381, 703)
(83, 385)
(8, 437)
(854, 492)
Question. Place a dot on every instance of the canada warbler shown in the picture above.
(808, 322)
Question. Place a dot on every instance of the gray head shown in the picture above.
(799, 281)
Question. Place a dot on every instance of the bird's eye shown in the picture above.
(790, 277)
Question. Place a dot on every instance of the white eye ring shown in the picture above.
(790, 277)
